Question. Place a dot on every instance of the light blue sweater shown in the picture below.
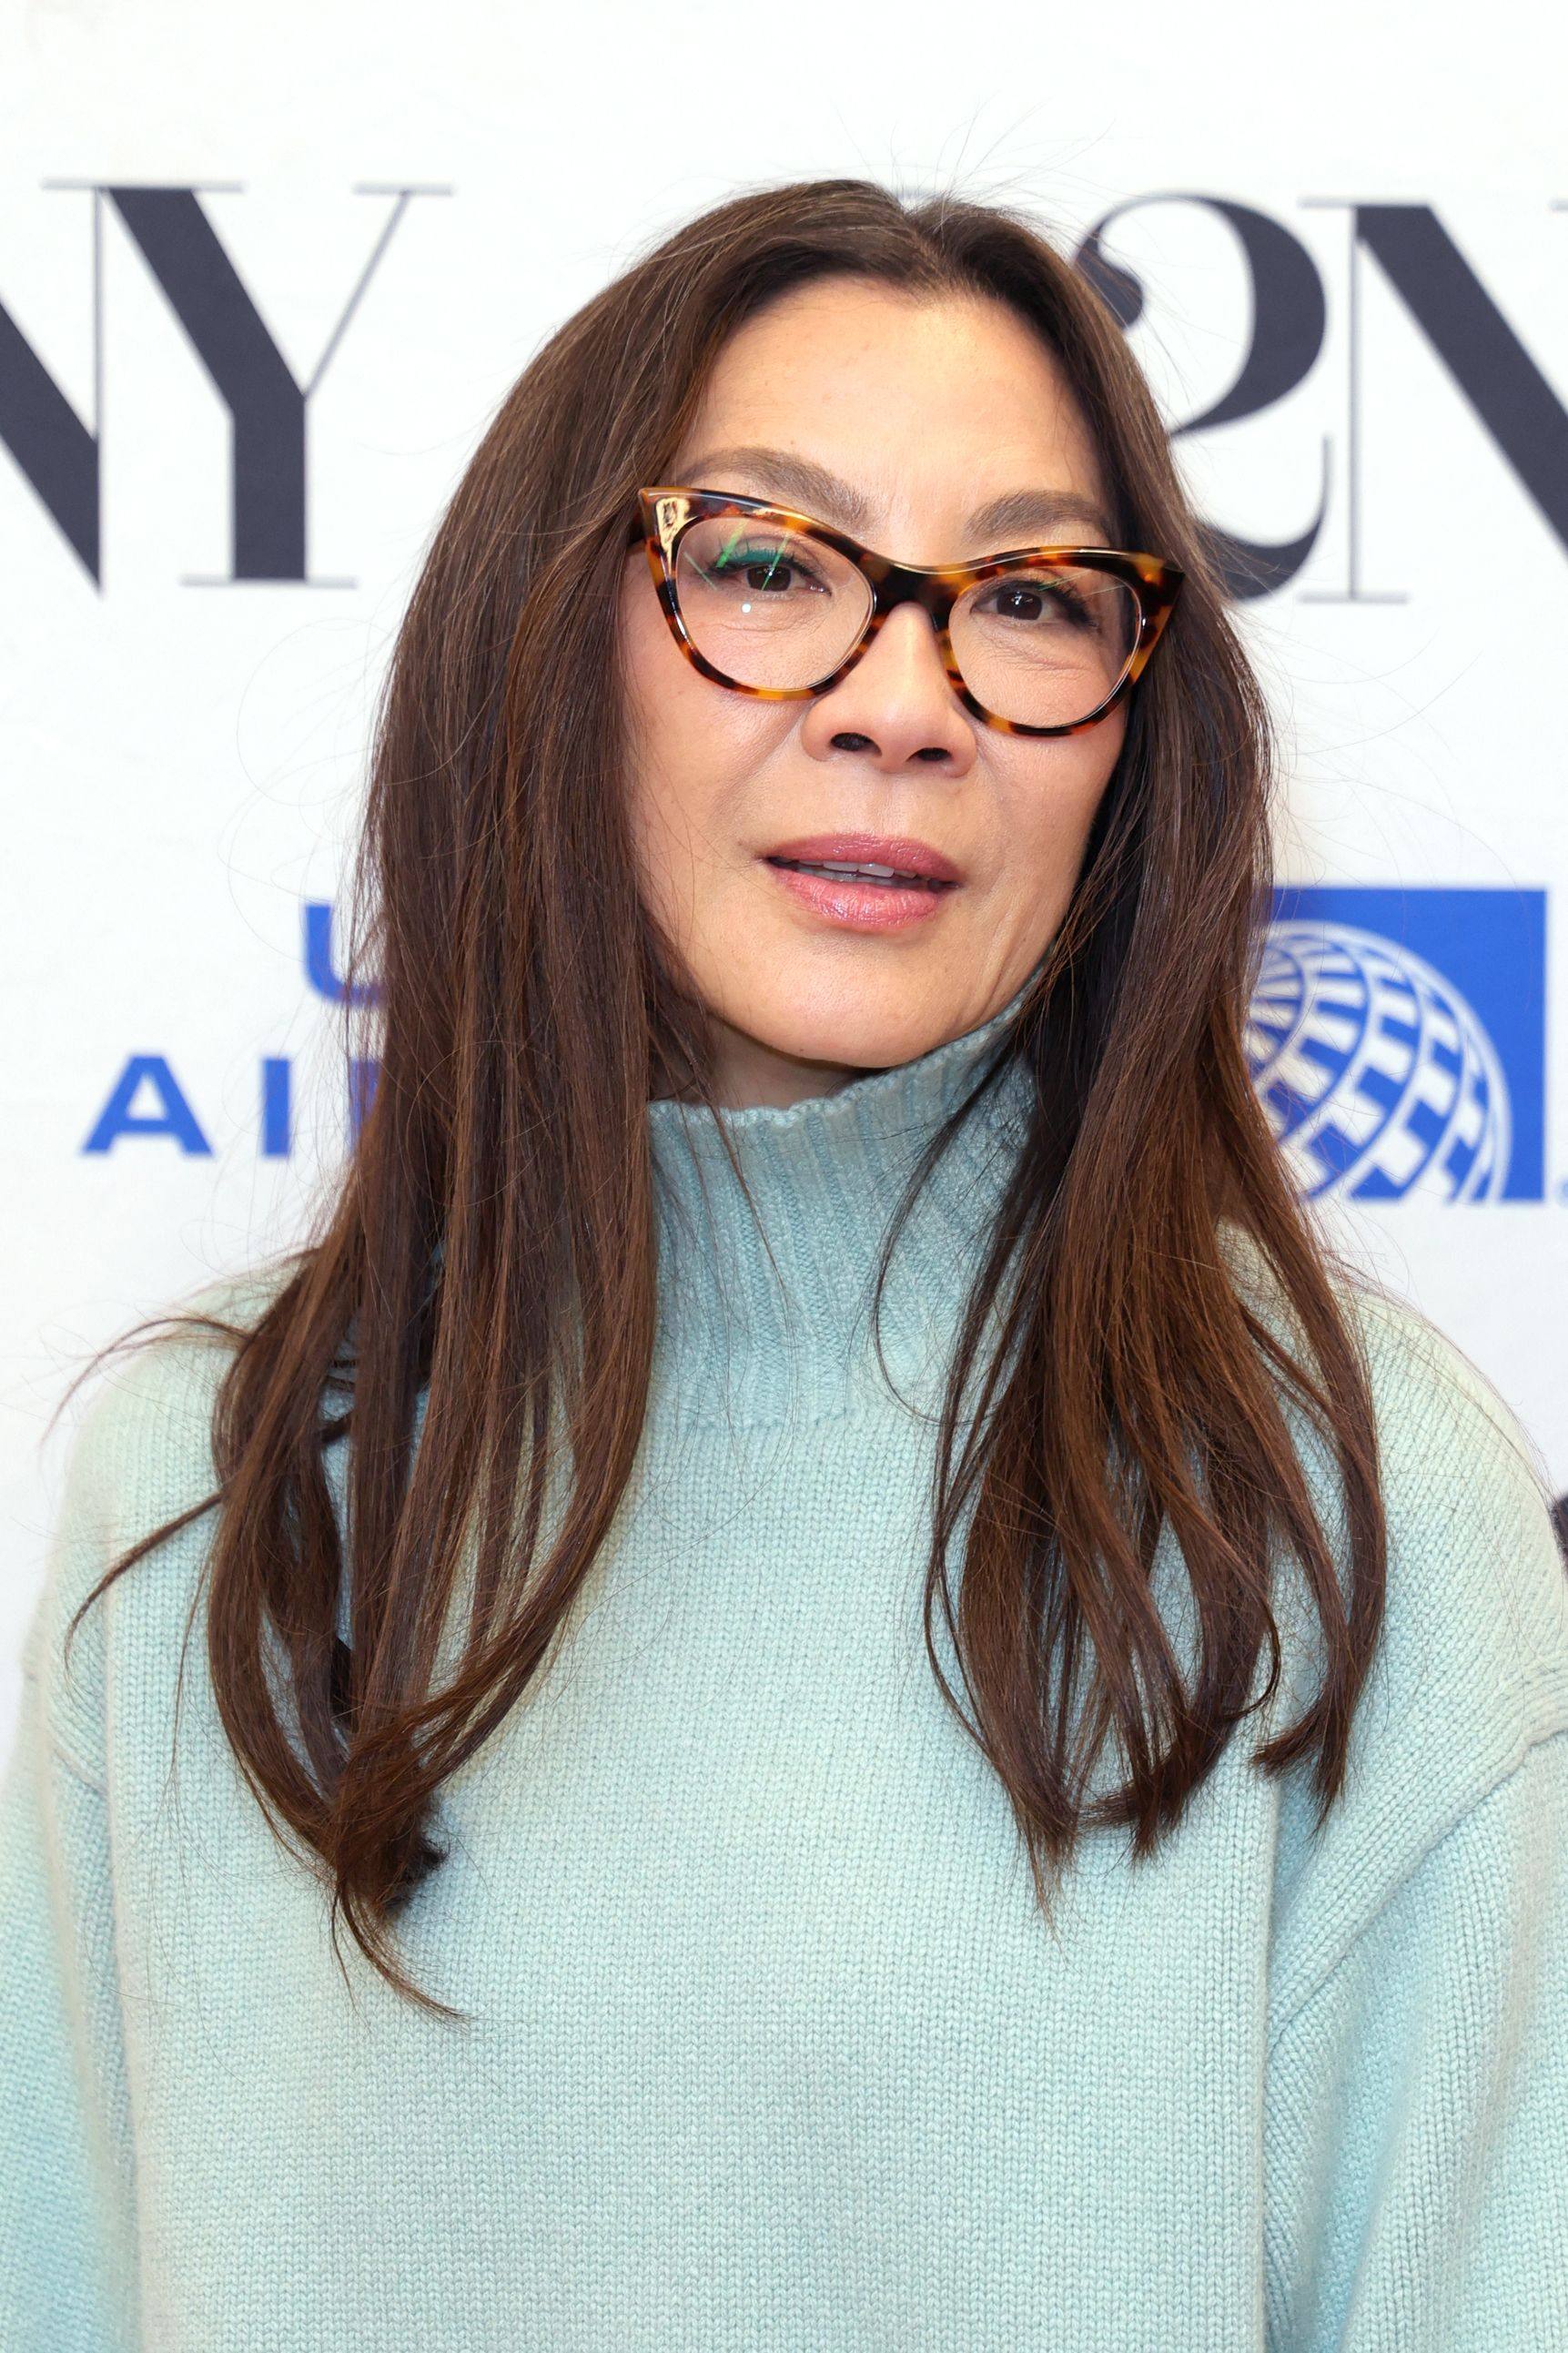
(772, 2046)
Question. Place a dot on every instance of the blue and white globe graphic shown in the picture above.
(1378, 1079)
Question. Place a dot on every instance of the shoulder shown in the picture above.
(1470, 1671)
(1476, 1574)
(1477, 1600)
(138, 1453)
(1476, 1654)
(145, 1425)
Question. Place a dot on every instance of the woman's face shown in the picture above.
(925, 411)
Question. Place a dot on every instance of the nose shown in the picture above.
(897, 706)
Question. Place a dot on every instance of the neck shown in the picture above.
(762, 1316)
(747, 1073)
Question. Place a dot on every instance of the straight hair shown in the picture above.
(474, 1311)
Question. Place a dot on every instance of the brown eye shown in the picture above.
(766, 566)
(1045, 648)
(1038, 601)
(767, 606)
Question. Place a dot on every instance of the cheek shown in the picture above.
(1053, 800)
(693, 748)
(663, 744)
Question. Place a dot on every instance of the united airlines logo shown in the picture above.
(1396, 1039)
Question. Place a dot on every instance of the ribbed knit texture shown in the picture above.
(772, 2047)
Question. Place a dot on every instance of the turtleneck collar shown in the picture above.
(747, 1338)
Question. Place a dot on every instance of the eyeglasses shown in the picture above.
(1035, 640)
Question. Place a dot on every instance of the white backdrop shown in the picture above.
(265, 275)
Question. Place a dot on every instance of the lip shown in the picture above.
(894, 850)
(861, 906)
(866, 907)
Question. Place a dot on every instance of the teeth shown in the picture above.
(823, 866)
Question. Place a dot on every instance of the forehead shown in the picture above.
(925, 406)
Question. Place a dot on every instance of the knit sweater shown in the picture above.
(771, 2046)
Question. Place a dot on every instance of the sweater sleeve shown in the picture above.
(67, 2228)
(1416, 2133)
(1415, 2124)
(141, 1453)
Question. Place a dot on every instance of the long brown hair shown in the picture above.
(478, 1302)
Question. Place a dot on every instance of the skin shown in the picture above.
(928, 408)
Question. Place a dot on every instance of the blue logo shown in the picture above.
(148, 1100)
(1397, 1041)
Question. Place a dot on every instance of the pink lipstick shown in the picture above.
(870, 882)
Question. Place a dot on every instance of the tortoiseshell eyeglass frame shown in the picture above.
(666, 511)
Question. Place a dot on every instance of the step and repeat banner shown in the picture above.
(263, 284)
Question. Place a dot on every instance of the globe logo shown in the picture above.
(1378, 1079)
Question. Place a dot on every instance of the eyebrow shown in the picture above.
(813, 487)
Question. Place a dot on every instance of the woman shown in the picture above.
(1144, 1927)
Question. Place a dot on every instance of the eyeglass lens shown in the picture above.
(1042, 644)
